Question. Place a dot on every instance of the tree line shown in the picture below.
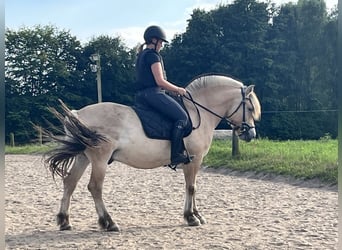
(287, 51)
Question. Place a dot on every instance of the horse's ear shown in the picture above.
(249, 89)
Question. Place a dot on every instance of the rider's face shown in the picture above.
(159, 45)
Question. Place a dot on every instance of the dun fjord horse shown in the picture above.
(106, 132)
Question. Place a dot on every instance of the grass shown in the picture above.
(299, 159)
(28, 149)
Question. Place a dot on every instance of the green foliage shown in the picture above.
(28, 149)
(117, 69)
(42, 65)
(288, 52)
(305, 73)
(299, 159)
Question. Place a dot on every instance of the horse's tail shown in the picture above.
(76, 138)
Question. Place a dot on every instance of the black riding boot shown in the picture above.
(177, 147)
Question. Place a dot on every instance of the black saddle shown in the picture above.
(155, 124)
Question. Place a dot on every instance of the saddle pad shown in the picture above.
(157, 126)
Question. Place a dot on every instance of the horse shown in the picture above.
(105, 132)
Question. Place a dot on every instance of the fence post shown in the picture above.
(235, 144)
(40, 136)
(12, 143)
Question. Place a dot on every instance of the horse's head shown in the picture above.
(246, 113)
(230, 99)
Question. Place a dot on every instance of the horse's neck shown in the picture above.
(219, 101)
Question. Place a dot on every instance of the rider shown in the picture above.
(151, 86)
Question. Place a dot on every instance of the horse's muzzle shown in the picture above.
(247, 133)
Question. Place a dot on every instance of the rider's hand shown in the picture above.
(181, 91)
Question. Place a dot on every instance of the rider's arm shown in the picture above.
(158, 76)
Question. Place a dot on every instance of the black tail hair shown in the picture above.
(76, 138)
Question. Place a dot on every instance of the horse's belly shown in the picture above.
(144, 153)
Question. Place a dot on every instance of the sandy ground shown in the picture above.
(241, 212)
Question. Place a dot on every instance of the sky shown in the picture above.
(128, 19)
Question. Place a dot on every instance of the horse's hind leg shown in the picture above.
(95, 187)
(191, 213)
(70, 181)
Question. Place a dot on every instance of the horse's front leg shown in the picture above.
(191, 213)
(196, 212)
(69, 184)
(95, 187)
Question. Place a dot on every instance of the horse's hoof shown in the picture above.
(64, 227)
(193, 221)
(63, 221)
(113, 228)
(108, 224)
(201, 219)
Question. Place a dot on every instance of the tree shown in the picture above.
(117, 69)
(304, 66)
(288, 52)
(229, 39)
(194, 52)
(42, 65)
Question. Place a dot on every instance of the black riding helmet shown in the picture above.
(154, 32)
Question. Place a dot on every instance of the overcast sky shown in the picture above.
(125, 18)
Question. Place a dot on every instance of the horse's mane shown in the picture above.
(201, 81)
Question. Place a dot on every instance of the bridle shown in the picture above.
(244, 127)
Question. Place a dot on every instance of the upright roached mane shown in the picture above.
(105, 132)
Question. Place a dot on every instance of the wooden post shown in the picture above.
(40, 136)
(12, 143)
(235, 144)
(98, 80)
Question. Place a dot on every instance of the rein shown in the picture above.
(244, 126)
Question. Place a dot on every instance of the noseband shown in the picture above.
(244, 127)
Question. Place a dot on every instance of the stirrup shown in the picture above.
(182, 159)
(174, 166)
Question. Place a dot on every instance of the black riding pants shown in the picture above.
(158, 100)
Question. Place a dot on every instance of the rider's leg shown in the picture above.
(166, 105)
(177, 145)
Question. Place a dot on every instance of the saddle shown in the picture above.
(155, 124)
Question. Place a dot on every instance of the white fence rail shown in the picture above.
(223, 134)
